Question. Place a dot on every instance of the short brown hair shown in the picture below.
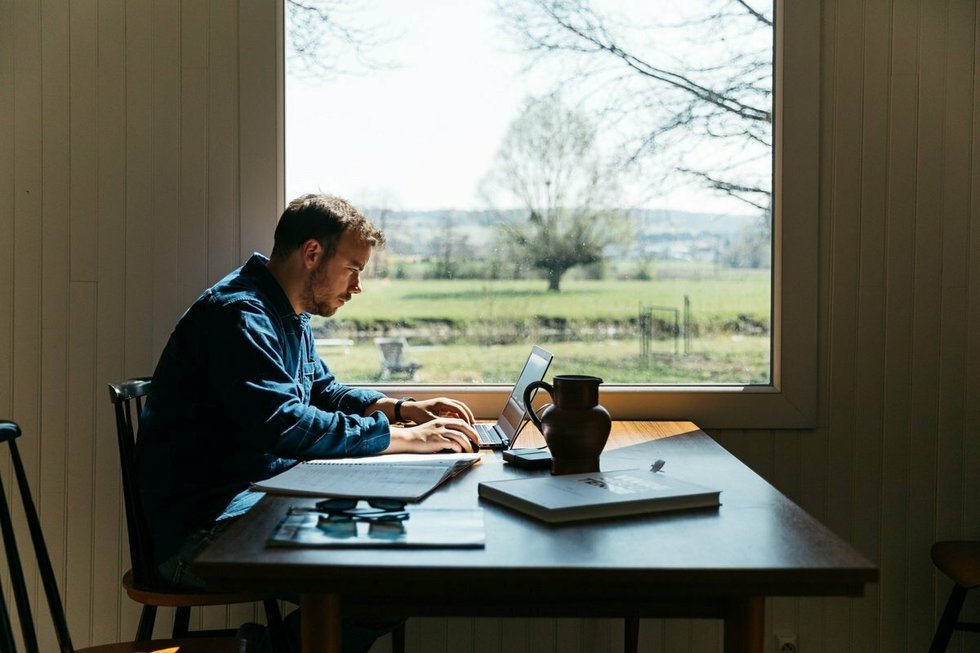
(324, 218)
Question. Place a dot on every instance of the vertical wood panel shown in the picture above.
(844, 247)
(224, 252)
(927, 308)
(258, 110)
(955, 244)
(84, 104)
(165, 149)
(899, 300)
(7, 171)
(971, 443)
(81, 501)
(51, 491)
(26, 241)
(110, 559)
(137, 268)
(194, 119)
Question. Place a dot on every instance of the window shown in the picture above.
(730, 341)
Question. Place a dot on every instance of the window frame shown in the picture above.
(790, 400)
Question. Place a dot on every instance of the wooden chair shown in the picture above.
(9, 432)
(143, 583)
(960, 561)
(392, 353)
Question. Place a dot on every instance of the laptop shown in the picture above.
(502, 434)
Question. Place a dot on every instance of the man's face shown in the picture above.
(332, 283)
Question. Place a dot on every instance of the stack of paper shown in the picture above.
(407, 477)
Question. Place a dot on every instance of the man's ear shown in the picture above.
(312, 253)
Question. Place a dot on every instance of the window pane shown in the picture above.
(592, 177)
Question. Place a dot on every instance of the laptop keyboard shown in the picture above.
(488, 434)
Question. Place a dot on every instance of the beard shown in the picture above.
(317, 305)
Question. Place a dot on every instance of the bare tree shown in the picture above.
(548, 165)
(667, 101)
(330, 37)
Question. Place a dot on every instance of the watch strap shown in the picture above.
(398, 408)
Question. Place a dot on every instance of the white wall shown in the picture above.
(138, 159)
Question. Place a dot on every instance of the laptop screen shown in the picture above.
(514, 411)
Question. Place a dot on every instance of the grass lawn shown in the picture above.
(719, 359)
(716, 297)
(479, 331)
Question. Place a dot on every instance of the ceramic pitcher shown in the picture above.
(575, 426)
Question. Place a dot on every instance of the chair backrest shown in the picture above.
(9, 432)
(127, 398)
(390, 350)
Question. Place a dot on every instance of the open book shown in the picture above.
(407, 477)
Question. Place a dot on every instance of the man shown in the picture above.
(240, 394)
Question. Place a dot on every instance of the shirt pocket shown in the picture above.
(306, 380)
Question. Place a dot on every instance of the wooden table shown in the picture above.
(717, 563)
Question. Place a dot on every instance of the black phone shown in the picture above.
(528, 458)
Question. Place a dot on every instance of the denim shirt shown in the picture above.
(238, 396)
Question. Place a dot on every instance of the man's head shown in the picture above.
(322, 244)
(323, 218)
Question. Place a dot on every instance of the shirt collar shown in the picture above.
(257, 268)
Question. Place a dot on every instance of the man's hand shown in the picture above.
(435, 435)
(421, 412)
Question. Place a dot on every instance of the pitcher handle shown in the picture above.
(528, 391)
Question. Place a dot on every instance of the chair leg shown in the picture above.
(944, 630)
(277, 633)
(148, 616)
(398, 639)
(631, 634)
(182, 621)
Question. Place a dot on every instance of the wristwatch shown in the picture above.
(398, 408)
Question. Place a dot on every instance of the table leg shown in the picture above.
(320, 623)
(745, 624)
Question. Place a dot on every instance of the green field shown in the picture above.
(716, 298)
(722, 359)
(479, 331)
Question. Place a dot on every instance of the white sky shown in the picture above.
(420, 135)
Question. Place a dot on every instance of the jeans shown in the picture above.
(359, 634)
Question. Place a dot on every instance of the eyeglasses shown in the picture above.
(379, 510)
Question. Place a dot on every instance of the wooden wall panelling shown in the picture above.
(840, 336)
(898, 269)
(137, 267)
(25, 259)
(81, 530)
(84, 112)
(81, 503)
(223, 239)
(260, 166)
(486, 634)
(971, 436)
(955, 300)
(7, 126)
(55, 202)
(111, 557)
(194, 122)
(927, 308)
(165, 153)
(866, 529)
